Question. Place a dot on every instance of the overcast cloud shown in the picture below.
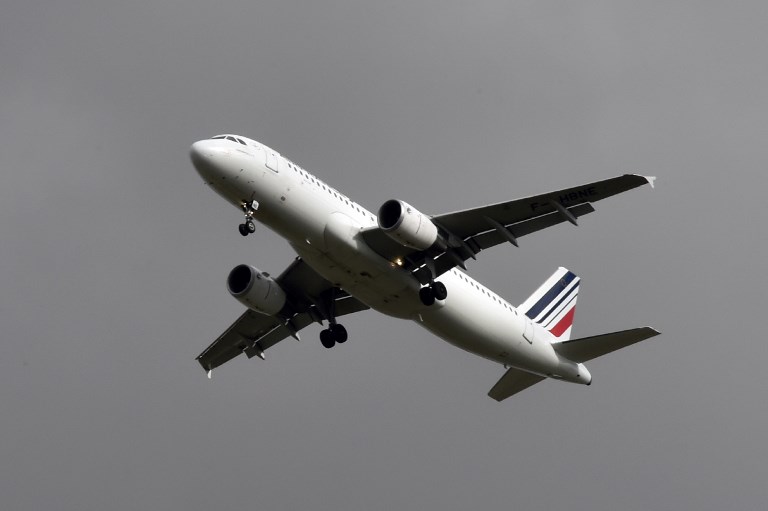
(113, 254)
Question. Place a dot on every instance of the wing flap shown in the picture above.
(588, 348)
(513, 381)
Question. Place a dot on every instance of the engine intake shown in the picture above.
(407, 225)
(256, 290)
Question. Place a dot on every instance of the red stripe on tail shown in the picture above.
(564, 324)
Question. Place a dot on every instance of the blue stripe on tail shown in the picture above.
(566, 296)
(551, 295)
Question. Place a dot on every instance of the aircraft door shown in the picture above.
(528, 332)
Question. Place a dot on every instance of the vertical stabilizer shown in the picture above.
(553, 305)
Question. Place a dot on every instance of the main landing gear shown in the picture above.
(334, 334)
(248, 227)
(435, 291)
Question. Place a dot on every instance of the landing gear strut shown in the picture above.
(248, 227)
(435, 291)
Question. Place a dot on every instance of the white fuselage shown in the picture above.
(323, 226)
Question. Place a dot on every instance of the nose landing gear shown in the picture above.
(248, 227)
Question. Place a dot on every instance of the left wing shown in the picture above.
(311, 299)
(472, 230)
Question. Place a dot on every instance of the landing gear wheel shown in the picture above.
(338, 333)
(248, 227)
(438, 288)
(427, 295)
(326, 339)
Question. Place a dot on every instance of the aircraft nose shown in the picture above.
(210, 160)
(200, 154)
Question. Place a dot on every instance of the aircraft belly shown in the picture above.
(489, 334)
(476, 323)
(350, 264)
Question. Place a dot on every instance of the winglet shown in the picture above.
(209, 373)
(651, 180)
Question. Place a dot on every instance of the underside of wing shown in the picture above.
(310, 299)
(498, 234)
(237, 339)
(468, 232)
(465, 223)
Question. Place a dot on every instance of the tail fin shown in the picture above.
(553, 305)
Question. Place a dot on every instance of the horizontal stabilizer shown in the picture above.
(513, 381)
(587, 348)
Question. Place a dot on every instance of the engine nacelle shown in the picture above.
(256, 290)
(407, 225)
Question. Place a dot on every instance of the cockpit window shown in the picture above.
(230, 138)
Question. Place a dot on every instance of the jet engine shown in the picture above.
(407, 225)
(256, 290)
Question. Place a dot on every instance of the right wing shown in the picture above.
(473, 230)
(309, 297)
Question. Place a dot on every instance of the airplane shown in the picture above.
(402, 263)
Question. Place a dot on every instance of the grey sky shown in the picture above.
(113, 255)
